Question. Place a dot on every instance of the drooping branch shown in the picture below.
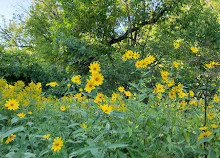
(139, 26)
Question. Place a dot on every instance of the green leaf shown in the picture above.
(168, 139)
(73, 125)
(202, 88)
(6, 134)
(119, 113)
(187, 136)
(200, 151)
(212, 154)
(3, 117)
(83, 150)
(134, 85)
(121, 154)
(29, 155)
(218, 142)
(216, 130)
(116, 146)
(142, 96)
(42, 153)
(14, 120)
(204, 140)
(108, 126)
(133, 152)
(144, 74)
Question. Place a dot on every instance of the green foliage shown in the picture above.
(18, 65)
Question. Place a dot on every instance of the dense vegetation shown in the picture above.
(117, 78)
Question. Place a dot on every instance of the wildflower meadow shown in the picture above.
(71, 94)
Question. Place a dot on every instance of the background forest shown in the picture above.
(111, 78)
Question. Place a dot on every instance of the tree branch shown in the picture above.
(130, 30)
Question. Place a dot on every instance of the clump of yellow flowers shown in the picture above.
(96, 79)
(140, 63)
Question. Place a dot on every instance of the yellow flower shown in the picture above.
(114, 96)
(182, 94)
(209, 66)
(62, 108)
(29, 112)
(203, 128)
(124, 57)
(127, 93)
(212, 64)
(107, 109)
(159, 96)
(191, 93)
(68, 85)
(121, 89)
(175, 64)
(94, 67)
(21, 115)
(46, 136)
(99, 97)
(76, 79)
(214, 126)
(201, 135)
(97, 78)
(144, 63)
(172, 94)
(136, 55)
(208, 133)
(57, 144)
(78, 96)
(159, 88)
(84, 125)
(171, 83)
(80, 89)
(2, 140)
(12, 104)
(138, 64)
(52, 84)
(89, 86)
(201, 100)
(183, 104)
(10, 138)
(194, 49)
(149, 59)
(176, 45)
(191, 102)
(129, 54)
(216, 98)
(210, 115)
(164, 75)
